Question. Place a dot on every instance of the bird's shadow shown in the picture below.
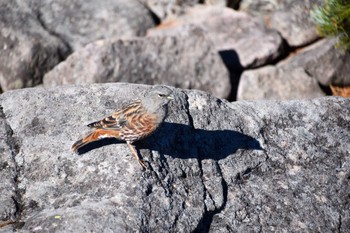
(183, 141)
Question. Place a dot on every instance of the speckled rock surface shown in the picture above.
(186, 61)
(213, 166)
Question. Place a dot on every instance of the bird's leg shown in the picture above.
(141, 162)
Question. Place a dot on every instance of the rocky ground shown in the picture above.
(277, 160)
(253, 50)
(214, 166)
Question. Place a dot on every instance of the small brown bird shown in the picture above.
(132, 123)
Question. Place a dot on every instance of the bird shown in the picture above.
(132, 123)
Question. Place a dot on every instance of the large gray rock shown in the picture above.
(299, 75)
(81, 22)
(105, 189)
(213, 166)
(278, 83)
(229, 30)
(303, 186)
(324, 62)
(289, 17)
(184, 61)
(27, 50)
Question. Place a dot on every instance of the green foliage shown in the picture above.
(333, 19)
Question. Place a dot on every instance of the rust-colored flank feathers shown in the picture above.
(132, 123)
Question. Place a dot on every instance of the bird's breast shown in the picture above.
(139, 126)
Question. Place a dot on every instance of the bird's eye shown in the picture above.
(161, 95)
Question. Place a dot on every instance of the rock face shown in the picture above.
(27, 50)
(184, 61)
(291, 18)
(293, 188)
(164, 8)
(324, 62)
(214, 166)
(177, 43)
(294, 22)
(299, 75)
(83, 22)
(8, 195)
(229, 30)
(278, 83)
(37, 35)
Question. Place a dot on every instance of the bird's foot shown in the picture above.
(142, 163)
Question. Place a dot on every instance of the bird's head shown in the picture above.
(158, 97)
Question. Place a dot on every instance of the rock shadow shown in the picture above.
(183, 141)
(235, 68)
(98, 144)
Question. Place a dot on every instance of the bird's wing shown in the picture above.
(118, 119)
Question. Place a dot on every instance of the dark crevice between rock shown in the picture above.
(14, 146)
(284, 51)
(233, 65)
(231, 60)
(234, 4)
(326, 89)
(155, 18)
(307, 44)
(287, 50)
(208, 216)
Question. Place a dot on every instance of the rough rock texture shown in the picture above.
(278, 83)
(304, 184)
(299, 75)
(223, 3)
(230, 31)
(324, 62)
(27, 50)
(37, 35)
(165, 9)
(184, 61)
(214, 166)
(83, 21)
(291, 18)
(168, 8)
(260, 7)
(8, 196)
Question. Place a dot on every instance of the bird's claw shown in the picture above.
(142, 163)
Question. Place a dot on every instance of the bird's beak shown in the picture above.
(170, 97)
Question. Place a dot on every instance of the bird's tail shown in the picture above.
(94, 136)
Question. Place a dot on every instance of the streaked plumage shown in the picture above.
(132, 123)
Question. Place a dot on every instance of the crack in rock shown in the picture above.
(208, 215)
(14, 146)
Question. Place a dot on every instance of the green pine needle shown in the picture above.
(333, 19)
